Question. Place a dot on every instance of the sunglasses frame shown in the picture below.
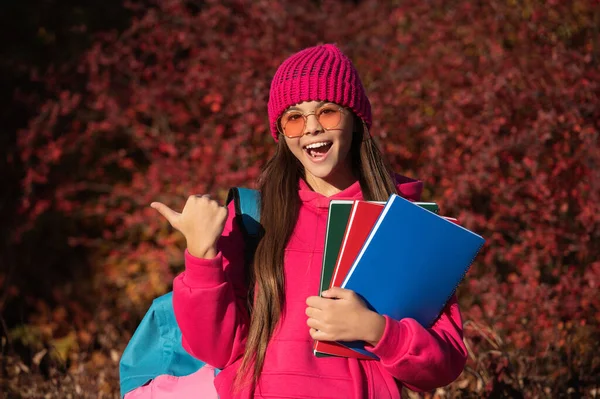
(305, 117)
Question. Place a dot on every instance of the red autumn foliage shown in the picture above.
(495, 105)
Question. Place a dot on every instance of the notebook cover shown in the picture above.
(411, 263)
(339, 211)
(430, 206)
(362, 218)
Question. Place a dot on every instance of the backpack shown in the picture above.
(155, 348)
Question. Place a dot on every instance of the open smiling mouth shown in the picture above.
(318, 150)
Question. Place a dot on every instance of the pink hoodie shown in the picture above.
(209, 302)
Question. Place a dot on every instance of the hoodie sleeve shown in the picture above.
(424, 358)
(209, 300)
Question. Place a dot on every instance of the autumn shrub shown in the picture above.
(494, 105)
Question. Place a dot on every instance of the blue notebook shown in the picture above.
(411, 263)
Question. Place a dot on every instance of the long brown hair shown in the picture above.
(280, 204)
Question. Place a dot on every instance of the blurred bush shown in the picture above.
(495, 105)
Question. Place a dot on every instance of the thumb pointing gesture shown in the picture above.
(169, 214)
(201, 222)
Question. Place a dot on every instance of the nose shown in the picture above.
(312, 125)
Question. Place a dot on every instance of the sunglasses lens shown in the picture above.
(292, 124)
(329, 116)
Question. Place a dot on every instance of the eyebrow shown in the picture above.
(318, 105)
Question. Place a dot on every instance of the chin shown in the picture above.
(326, 173)
(322, 173)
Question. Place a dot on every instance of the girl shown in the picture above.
(258, 323)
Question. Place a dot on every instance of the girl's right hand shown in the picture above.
(201, 222)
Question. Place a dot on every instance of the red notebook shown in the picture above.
(362, 219)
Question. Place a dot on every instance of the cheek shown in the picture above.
(297, 151)
(345, 142)
(294, 147)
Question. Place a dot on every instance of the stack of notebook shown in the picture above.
(401, 257)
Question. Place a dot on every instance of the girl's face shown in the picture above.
(323, 151)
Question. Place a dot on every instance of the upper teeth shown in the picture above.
(316, 145)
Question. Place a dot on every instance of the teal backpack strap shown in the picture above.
(155, 348)
(247, 210)
(247, 206)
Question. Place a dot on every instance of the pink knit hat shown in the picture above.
(321, 73)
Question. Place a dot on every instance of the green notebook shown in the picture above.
(430, 206)
(339, 212)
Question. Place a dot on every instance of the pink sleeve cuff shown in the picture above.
(203, 273)
(393, 342)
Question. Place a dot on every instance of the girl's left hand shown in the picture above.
(341, 315)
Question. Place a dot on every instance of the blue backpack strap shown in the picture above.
(155, 348)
